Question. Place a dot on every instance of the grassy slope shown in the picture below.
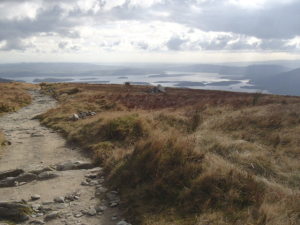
(13, 97)
(189, 156)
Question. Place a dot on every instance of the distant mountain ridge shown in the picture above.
(4, 80)
(274, 78)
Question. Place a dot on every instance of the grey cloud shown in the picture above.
(142, 45)
(15, 44)
(75, 48)
(271, 44)
(218, 43)
(47, 21)
(274, 23)
(62, 45)
(275, 20)
(175, 43)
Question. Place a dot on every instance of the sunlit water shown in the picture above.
(167, 79)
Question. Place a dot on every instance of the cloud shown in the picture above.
(62, 45)
(175, 43)
(152, 25)
(15, 44)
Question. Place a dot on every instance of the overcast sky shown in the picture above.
(149, 30)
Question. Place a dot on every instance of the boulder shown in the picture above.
(12, 181)
(14, 211)
(7, 182)
(11, 173)
(26, 177)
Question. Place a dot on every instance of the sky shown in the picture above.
(164, 31)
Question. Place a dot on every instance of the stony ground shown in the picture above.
(58, 183)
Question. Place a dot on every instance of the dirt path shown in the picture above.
(33, 148)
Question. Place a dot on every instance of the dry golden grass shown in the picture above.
(189, 156)
(13, 96)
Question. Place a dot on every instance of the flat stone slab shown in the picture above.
(12, 181)
(10, 173)
(78, 165)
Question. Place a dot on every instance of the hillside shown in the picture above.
(188, 156)
(5, 80)
(286, 83)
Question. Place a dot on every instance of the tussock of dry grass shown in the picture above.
(189, 156)
(13, 96)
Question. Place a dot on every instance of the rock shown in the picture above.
(35, 197)
(26, 177)
(36, 207)
(7, 182)
(96, 170)
(100, 191)
(37, 135)
(47, 175)
(51, 216)
(14, 211)
(13, 181)
(11, 173)
(101, 181)
(84, 165)
(77, 215)
(114, 204)
(37, 222)
(113, 218)
(123, 222)
(65, 166)
(74, 166)
(158, 89)
(41, 170)
(91, 211)
(72, 197)
(47, 203)
(84, 183)
(22, 183)
(112, 196)
(59, 200)
(91, 176)
(39, 214)
(93, 183)
(75, 117)
(100, 208)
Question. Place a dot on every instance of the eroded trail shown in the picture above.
(36, 149)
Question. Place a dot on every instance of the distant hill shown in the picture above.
(53, 69)
(5, 80)
(271, 77)
(286, 83)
